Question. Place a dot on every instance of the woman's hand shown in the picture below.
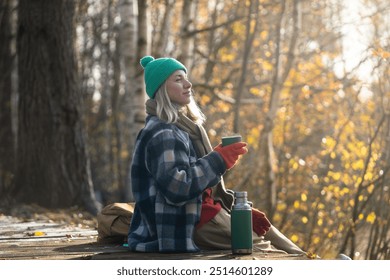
(231, 153)
(260, 223)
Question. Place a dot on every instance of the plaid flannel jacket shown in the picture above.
(167, 181)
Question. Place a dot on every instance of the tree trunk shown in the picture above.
(187, 41)
(7, 157)
(160, 47)
(128, 10)
(138, 96)
(253, 11)
(267, 158)
(52, 163)
(119, 127)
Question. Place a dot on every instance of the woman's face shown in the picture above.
(179, 88)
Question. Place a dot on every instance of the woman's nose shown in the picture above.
(188, 84)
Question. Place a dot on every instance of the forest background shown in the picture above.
(306, 83)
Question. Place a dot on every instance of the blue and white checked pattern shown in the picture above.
(168, 180)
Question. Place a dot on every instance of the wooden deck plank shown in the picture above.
(48, 240)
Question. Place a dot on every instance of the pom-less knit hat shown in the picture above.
(157, 71)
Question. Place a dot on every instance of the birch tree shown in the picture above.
(188, 16)
(164, 30)
(251, 29)
(137, 95)
(280, 73)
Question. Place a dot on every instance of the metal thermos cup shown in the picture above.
(241, 225)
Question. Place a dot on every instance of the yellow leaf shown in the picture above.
(335, 175)
(267, 66)
(205, 99)
(255, 91)
(303, 197)
(358, 165)
(264, 35)
(344, 191)
(39, 233)
(281, 206)
(277, 217)
(227, 58)
(368, 176)
(311, 255)
(305, 220)
(371, 218)
(381, 53)
(296, 204)
(294, 238)
(329, 142)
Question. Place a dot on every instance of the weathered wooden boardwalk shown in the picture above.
(25, 239)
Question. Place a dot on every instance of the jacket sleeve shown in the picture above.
(180, 177)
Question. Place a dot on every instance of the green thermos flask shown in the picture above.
(241, 225)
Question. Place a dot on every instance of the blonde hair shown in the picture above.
(168, 111)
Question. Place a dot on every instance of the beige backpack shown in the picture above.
(113, 222)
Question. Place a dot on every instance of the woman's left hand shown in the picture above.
(260, 223)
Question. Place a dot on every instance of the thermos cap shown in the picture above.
(241, 194)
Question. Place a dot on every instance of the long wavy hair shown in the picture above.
(168, 111)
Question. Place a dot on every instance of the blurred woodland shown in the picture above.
(282, 73)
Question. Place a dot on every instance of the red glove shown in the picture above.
(231, 153)
(260, 222)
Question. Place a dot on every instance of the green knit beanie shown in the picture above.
(157, 71)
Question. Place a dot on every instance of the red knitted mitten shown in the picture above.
(231, 153)
(260, 222)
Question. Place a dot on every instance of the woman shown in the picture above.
(181, 202)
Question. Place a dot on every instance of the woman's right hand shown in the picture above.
(231, 153)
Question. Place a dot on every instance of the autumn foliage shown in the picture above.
(280, 74)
